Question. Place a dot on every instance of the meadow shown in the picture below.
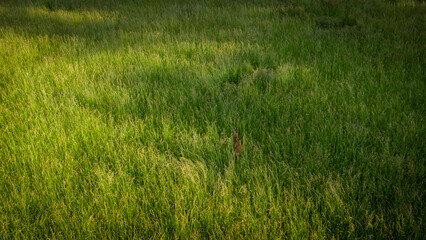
(117, 119)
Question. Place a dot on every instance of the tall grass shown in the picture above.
(117, 119)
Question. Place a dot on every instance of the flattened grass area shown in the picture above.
(117, 119)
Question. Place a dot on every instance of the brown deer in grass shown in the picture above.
(238, 145)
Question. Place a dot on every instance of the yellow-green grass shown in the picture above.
(116, 119)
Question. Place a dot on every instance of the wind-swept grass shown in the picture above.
(117, 118)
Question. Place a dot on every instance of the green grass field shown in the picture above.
(117, 119)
